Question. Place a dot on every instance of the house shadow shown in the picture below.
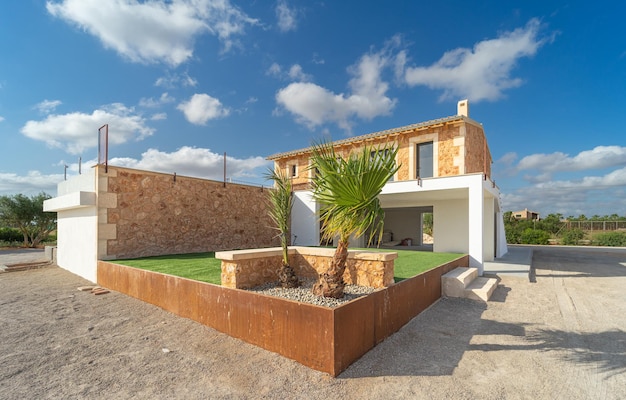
(433, 343)
(578, 262)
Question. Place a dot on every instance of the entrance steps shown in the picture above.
(465, 282)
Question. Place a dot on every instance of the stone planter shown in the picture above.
(244, 269)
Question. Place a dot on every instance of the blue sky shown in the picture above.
(181, 82)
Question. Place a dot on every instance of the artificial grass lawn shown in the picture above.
(202, 267)
(410, 263)
(205, 267)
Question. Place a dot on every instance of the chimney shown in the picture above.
(462, 108)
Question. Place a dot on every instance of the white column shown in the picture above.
(476, 217)
(304, 224)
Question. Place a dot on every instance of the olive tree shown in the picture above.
(26, 214)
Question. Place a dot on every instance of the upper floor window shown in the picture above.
(424, 160)
(292, 170)
(386, 151)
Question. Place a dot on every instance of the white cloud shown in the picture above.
(481, 73)
(48, 106)
(197, 162)
(508, 159)
(172, 81)
(30, 184)
(201, 108)
(588, 195)
(274, 70)
(560, 183)
(314, 105)
(158, 116)
(75, 132)
(317, 59)
(157, 30)
(286, 17)
(1, 118)
(151, 102)
(597, 158)
(295, 73)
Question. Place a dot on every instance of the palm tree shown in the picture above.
(347, 190)
(280, 205)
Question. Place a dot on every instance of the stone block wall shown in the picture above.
(145, 213)
(478, 157)
(461, 144)
(244, 269)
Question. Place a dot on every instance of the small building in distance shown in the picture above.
(525, 215)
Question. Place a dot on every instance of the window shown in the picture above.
(429, 142)
(373, 154)
(292, 170)
(424, 160)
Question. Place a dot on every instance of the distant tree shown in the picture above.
(552, 223)
(27, 215)
(428, 223)
(534, 236)
(572, 236)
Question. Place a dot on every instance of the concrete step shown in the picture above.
(481, 288)
(453, 283)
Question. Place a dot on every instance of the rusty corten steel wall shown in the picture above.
(325, 339)
(300, 331)
(362, 324)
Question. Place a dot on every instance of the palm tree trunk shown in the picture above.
(287, 277)
(330, 283)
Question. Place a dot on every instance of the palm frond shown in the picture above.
(348, 189)
(280, 205)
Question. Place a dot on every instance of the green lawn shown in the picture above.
(197, 266)
(410, 263)
(206, 268)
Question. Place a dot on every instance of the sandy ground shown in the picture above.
(563, 337)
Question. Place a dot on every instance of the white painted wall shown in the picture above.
(78, 183)
(77, 224)
(489, 229)
(77, 241)
(476, 221)
(502, 247)
(304, 223)
(450, 226)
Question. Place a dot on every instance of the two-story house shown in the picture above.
(444, 169)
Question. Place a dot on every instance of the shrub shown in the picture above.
(11, 235)
(572, 236)
(612, 239)
(534, 236)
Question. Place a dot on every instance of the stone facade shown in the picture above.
(244, 269)
(145, 213)
(460, 145)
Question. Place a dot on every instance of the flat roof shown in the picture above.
(392, 131)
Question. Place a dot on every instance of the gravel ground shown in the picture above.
(304, 293)
(563, 337)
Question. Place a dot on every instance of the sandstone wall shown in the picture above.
(146, 213)
(461, 145)
(371, 269)
(478, 158)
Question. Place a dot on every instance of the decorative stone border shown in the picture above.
(244, 269)
(325, 339)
